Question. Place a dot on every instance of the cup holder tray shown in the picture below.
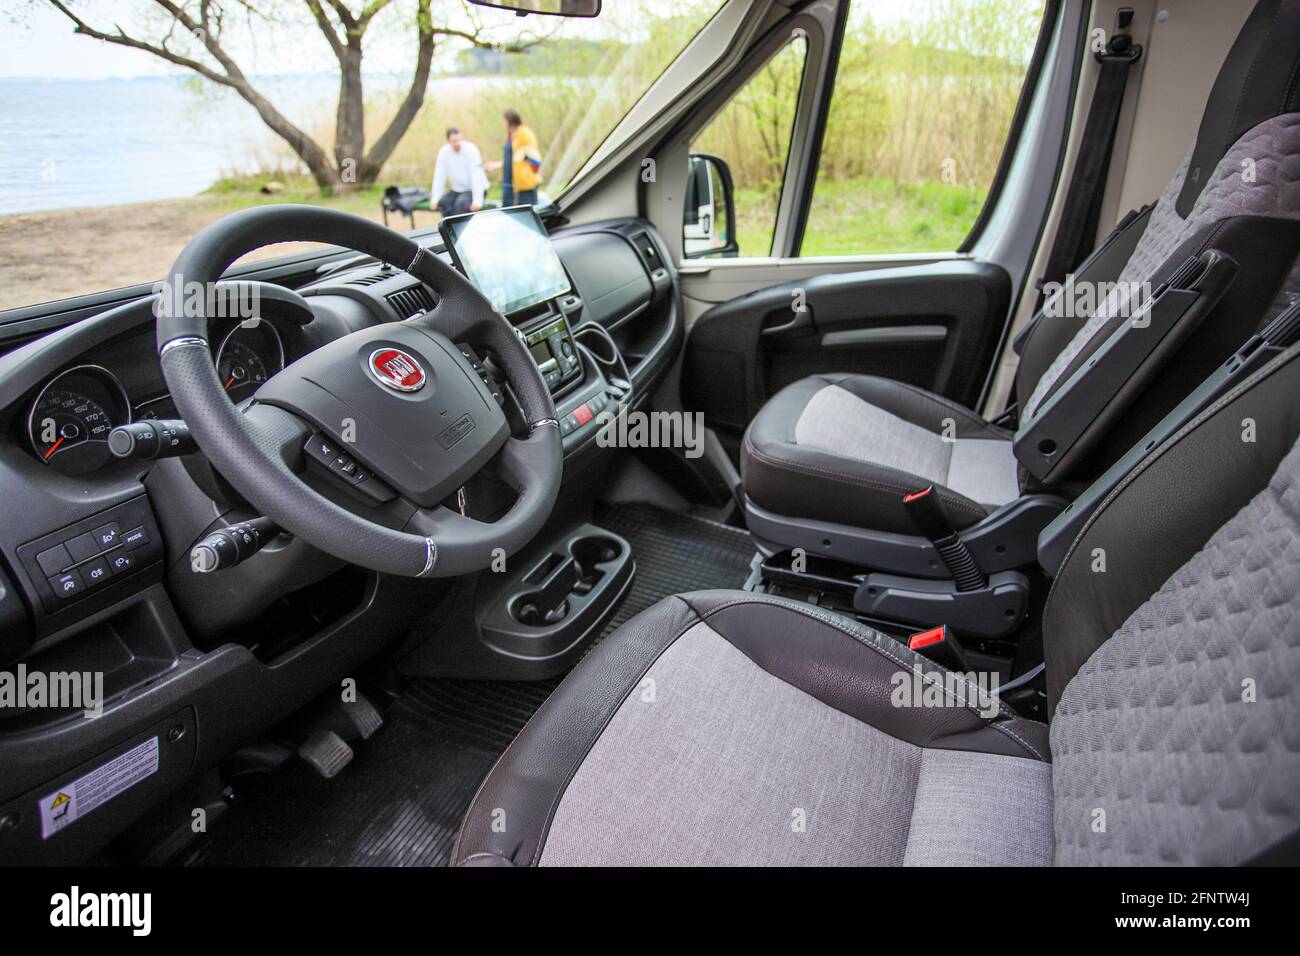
(563, 597)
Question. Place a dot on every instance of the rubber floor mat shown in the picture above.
(401, 799)
(675, 553)
(398, 803)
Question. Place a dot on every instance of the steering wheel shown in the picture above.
(413, 410)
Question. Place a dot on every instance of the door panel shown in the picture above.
(935, 326)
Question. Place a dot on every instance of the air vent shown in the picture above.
(648, 251)
(412, 301)
(368, 279)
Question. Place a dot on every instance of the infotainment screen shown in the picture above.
(507, 254)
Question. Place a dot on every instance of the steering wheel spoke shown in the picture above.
(280, 432)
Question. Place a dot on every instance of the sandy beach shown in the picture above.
(54, 255)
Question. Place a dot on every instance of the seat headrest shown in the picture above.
(1258, 80)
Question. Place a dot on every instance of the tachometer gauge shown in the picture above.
(70, 419)
(249, 355)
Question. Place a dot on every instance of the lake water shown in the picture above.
(70, 143)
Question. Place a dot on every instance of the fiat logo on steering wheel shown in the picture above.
(396, 369)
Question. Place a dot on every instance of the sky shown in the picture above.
(43, 36)
(37, 41)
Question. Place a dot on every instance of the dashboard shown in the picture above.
(96, 549)
(601, 335)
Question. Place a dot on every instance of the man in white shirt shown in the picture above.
(459, 171)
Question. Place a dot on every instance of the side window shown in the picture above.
(922, 106)
(738, 162)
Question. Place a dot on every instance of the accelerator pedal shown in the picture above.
(364, 716)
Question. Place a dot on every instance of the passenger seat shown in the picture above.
(1173, 686)
(828, 461)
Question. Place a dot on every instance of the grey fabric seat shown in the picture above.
(844, 448)
(728, 727)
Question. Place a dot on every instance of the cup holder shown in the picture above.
(600, 345)
(591, 551)
(528, 609)
(559, 580)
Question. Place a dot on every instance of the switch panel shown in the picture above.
(84, 558)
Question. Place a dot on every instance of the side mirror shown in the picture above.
(709, 213)
(546, 8)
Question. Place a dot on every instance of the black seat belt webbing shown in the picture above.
(1082, 210)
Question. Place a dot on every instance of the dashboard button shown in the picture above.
(582, 413)
(83, 548)
(94, 571)
(135, 538)
(121, 561)
(55, 559)
(67, 585)
(106, 536)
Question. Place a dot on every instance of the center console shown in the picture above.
(509, 256)
(551, 345)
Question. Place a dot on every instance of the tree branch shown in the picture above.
(383, 147)
(122, 39)
(327, 28)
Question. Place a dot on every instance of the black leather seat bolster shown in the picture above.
(854, 669)
(801, 482)
(846, 666)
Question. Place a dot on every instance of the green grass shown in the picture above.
(849, 217)
(867, 217)
(240, 192)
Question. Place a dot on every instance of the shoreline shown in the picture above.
(62, 253)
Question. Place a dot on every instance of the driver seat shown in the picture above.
(728, 727)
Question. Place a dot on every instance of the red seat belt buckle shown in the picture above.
(939, 646)
(935, 635)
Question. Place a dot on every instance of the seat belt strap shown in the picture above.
(1082, 209)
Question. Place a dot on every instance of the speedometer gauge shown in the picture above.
(70, 419)
(249, 355)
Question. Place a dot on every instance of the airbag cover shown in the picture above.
(403, 401)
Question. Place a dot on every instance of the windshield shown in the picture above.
(126, 127)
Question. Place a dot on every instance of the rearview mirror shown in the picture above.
(547, 8)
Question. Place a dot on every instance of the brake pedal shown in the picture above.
(327, 752)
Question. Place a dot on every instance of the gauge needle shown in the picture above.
(54, 448)
(230, 383)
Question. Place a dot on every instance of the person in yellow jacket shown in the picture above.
(521, 166)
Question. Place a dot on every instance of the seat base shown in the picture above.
(649, 753)
(1004, 541)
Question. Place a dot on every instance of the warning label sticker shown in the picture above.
(78, 798)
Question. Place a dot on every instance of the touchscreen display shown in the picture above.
(507, 254)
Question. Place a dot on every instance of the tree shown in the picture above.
(190, 34)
